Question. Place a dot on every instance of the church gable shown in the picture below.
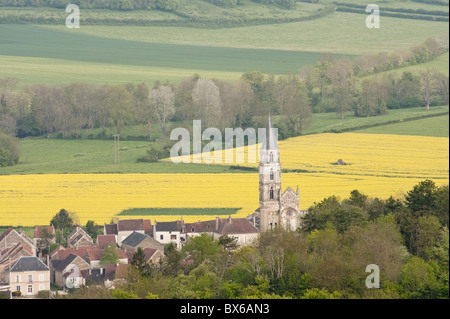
(290, 198)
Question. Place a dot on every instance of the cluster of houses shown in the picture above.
(24, 270)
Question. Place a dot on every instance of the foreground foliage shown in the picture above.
(325, 260)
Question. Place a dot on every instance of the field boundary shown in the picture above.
(356, 128)
(180, 19)
(419, 14)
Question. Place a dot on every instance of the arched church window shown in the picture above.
(271, 193)
(271, 174)
(271, 156)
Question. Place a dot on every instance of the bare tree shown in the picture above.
(163, 99)
(427, 79)
(206, 96)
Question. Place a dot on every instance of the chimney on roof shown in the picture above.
(229, 219)
(254, 220)
(217, 223)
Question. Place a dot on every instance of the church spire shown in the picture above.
(271, 138)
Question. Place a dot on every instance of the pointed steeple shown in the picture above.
(271, 138)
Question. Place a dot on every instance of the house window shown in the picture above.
(30, 278)
(161, 237)
(271, 193)
(173, 237)
(271, 174)
(30, 289)
(41, 287)
(17, 288)
(271, 156)
(17, 278)
(41, 277)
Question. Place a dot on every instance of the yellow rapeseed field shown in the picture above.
(380, 165)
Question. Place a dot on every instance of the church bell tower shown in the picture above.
(269, 179)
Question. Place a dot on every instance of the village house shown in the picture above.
(93, 257)
(200, 227)
(69, 271)
(241, 229)
(123, 228)
(169, 232)
(79, 237)
(137, 240)
(11, 237)
(103, 240)
(9, 256)
(29, 275)
(152, 255)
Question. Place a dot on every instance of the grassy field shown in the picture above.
(119, 54)
(37, 42)
(30, 54)
(331, 122)
(440, 63)
(340, 32)
(56, 71)
(433, 126)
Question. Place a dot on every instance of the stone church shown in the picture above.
(277, 208)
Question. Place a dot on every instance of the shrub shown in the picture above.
(9, 150)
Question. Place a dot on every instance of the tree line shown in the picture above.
(325, 259)
(332, 85)
(126, 5)
(121, 5)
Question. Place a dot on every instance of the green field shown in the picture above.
(433, 126)
(340, 32)
(331, 122)
(53, 54)
(106, 59)
(37, 42)
(63, 156)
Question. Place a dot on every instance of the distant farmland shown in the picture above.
(97, 56)
(380, 165)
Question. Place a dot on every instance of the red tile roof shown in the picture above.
(130, 224)
(103, 240)
(237, 226)
(38, 230)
